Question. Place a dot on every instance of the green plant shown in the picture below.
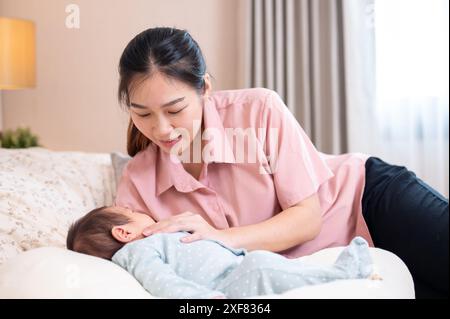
(20, 138)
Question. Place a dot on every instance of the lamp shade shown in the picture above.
(17, 54)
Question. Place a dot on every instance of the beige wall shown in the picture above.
(74, 105)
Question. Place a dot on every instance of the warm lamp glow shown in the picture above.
(17, 54)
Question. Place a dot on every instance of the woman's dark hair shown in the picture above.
(91, 234)
(170, 51)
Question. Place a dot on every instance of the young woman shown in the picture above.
(235, 166)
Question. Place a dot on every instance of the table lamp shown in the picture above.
(17, 55)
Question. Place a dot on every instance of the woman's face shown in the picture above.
(160, 105)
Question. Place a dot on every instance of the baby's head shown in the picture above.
(103, 231)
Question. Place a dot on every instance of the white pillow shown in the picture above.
(58, 273)
(396, 283)
(52, 272)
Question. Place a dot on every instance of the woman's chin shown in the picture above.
(176, 150)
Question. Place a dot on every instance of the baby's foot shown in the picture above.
(355, 259)
(375, 276)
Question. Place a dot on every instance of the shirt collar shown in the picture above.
(218, 146)
(170, 172)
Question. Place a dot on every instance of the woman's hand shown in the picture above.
(190, 222)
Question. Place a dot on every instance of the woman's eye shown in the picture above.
(175, 112)
(143, 115)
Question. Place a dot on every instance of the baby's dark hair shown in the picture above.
(91, 234)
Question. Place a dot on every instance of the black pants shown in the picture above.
(409, 218)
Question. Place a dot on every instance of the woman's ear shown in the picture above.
(122, 234)
(208, 85)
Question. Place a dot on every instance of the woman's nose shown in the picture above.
(162, 128)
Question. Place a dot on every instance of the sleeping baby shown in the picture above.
(168, 268)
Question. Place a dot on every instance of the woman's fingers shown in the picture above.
(191, 238)
(189, 222)
(163, 229)
(155, 228)
(182, 222)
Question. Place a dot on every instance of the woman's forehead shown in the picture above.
(157, 90)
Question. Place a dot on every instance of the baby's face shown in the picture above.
(138, 221)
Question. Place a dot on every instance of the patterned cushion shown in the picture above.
(42, 192)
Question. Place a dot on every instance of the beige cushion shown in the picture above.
(119, 161)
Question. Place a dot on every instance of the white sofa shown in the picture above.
(42, 192)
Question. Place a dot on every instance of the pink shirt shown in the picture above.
(235, 192)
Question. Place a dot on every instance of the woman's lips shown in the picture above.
(170, 143)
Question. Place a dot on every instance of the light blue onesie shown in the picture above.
(204, 269)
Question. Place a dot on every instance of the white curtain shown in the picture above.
(397, 84)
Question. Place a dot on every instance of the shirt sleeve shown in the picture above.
(158, 278)
(297, 167)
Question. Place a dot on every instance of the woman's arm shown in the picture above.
(291, 227)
